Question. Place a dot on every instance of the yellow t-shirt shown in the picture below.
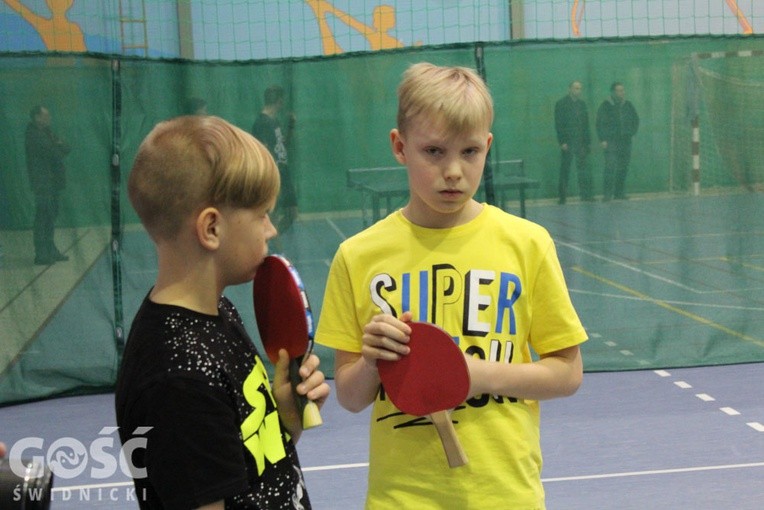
(496, 285)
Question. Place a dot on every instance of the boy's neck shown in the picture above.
(187, 282)
(419, 214)
(178, 295)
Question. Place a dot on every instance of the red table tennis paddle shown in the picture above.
(431, 380)
(285, 321)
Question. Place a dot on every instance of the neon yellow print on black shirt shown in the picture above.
(261, 430)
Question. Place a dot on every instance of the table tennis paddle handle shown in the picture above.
(306, 408)
(451, 444)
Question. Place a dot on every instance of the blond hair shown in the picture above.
(455, 96)
(188, 163)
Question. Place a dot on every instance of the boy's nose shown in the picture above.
(271, 230)
(452, 170)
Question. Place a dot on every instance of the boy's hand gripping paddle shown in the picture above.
(285, 321)
(431, 380)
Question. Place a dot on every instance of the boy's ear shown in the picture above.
(208, 225)
(397, 145)
(490, 141)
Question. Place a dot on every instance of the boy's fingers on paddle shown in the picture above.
(389, 326)
(385, 337)
(313, 385)
(371, 353)
(309, 365)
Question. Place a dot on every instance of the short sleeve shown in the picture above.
(339, 326)
(555, 324)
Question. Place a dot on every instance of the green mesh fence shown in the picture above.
(63, 325)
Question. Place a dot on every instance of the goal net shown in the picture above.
(719, 121)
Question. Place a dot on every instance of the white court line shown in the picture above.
(651, 472)
(642, 240)
(629, 267)
(678, 303)
(337, 229)
(337, 466)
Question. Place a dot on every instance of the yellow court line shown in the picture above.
(671, 308)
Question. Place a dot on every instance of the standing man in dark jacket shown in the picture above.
(617, 123)
(571, 120)
(45, 153)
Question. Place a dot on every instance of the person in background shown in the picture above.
(267, 128)
(195, 106)
(45, 153)
(571, 121)
(617, 123)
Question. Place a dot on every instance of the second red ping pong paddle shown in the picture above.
(431, 380)
(285, 321)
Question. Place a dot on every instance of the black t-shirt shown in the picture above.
(194, 407)
(267, 129)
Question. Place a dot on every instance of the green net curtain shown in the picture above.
(63, 326)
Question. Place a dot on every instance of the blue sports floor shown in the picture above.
(688, 438)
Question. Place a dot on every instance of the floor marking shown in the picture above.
(705, 397)
(664, 304)
(681, 303)
(683, 385)
(337, 466)
(662, 373)
(545, 480)
(653, 472)
(730, 411)
(626, 352)
(629, 267)
(610, 343)
(758, 427)
(337, 229)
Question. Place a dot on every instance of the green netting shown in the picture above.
(63, 325)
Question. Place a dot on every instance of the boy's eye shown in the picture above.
(433, 151)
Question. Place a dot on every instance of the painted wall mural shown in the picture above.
(262, 29)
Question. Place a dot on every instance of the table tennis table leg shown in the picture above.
(375, 213)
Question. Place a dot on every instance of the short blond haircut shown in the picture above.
(188, 163)
(457, 97)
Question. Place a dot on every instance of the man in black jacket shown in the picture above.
(617, 123)
(571, 120)
(45, 153)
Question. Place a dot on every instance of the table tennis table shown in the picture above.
(386, 187)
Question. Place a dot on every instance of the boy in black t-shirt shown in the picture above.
(201, 423)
